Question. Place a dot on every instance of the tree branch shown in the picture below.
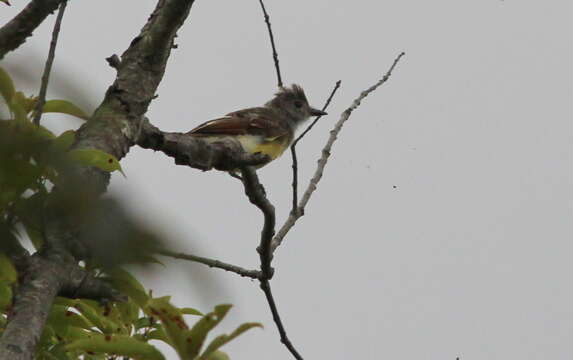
(213, 263)
(266, 287)
(48, 67)
(293, 149)
(295, 215)
(190, 151)
(15, 32)
(273, 46)
(113, 128)
(46, 274)
(256, 194)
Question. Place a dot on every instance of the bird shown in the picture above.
(268, 129)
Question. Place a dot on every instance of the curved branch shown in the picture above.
(15, 32)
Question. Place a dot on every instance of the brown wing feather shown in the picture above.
(253, 121)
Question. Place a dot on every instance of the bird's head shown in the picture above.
(293, 102)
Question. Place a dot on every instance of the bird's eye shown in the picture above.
(298, 104)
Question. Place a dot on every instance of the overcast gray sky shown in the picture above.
(470, 254)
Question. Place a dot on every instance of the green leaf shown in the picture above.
(6, 2)
(191, 311)
(97, 158)
(127, 284)
(63, 142)
(64, 107)
(224, 339)
(8, 273)
(5, 298)
(175, 328)
(202, 327)
(19, 110)
(118, 345)
(6, 86)
(92, 314)
(60, 318)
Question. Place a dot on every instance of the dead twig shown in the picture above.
(293, 149)
(253, 274)
(48, 67)
(295, 215)
(271, 36)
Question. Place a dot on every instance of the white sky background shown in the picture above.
(469, 256)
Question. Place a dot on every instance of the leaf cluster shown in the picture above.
(32, 161)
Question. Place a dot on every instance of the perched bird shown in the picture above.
(268, 129)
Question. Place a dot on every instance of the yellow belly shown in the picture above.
(257, 144)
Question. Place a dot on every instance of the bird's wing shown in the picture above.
(253, 121)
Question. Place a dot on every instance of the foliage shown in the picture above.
(32, 160)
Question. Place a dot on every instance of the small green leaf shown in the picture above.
(202, 327)
(6, 2)
(6, 86)
(8, 274)
(117, 345)
(191, 311)
(224, 339)
(121, 279)
(64, 107)
(97, 158)
(60, 318)
(5, 297)
(65, 140)
(172, 323)
(91, 313)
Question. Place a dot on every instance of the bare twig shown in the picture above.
(293, 149)
(275, 55)
(253, 274)
(15, 32)
(295, 215)
(266, 287)
(48, 67)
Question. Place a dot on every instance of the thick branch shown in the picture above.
(15, 32)
(191, 151)
(295, 215)
(116, 123)
(254, 274)
(45, 275)
(113, 129)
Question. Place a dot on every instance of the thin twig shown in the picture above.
(275, 55)
(293, 149)
(253, 274)
(48, 67)
(295, 215)
(266, 287)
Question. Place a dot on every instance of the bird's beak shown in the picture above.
(316, 112)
